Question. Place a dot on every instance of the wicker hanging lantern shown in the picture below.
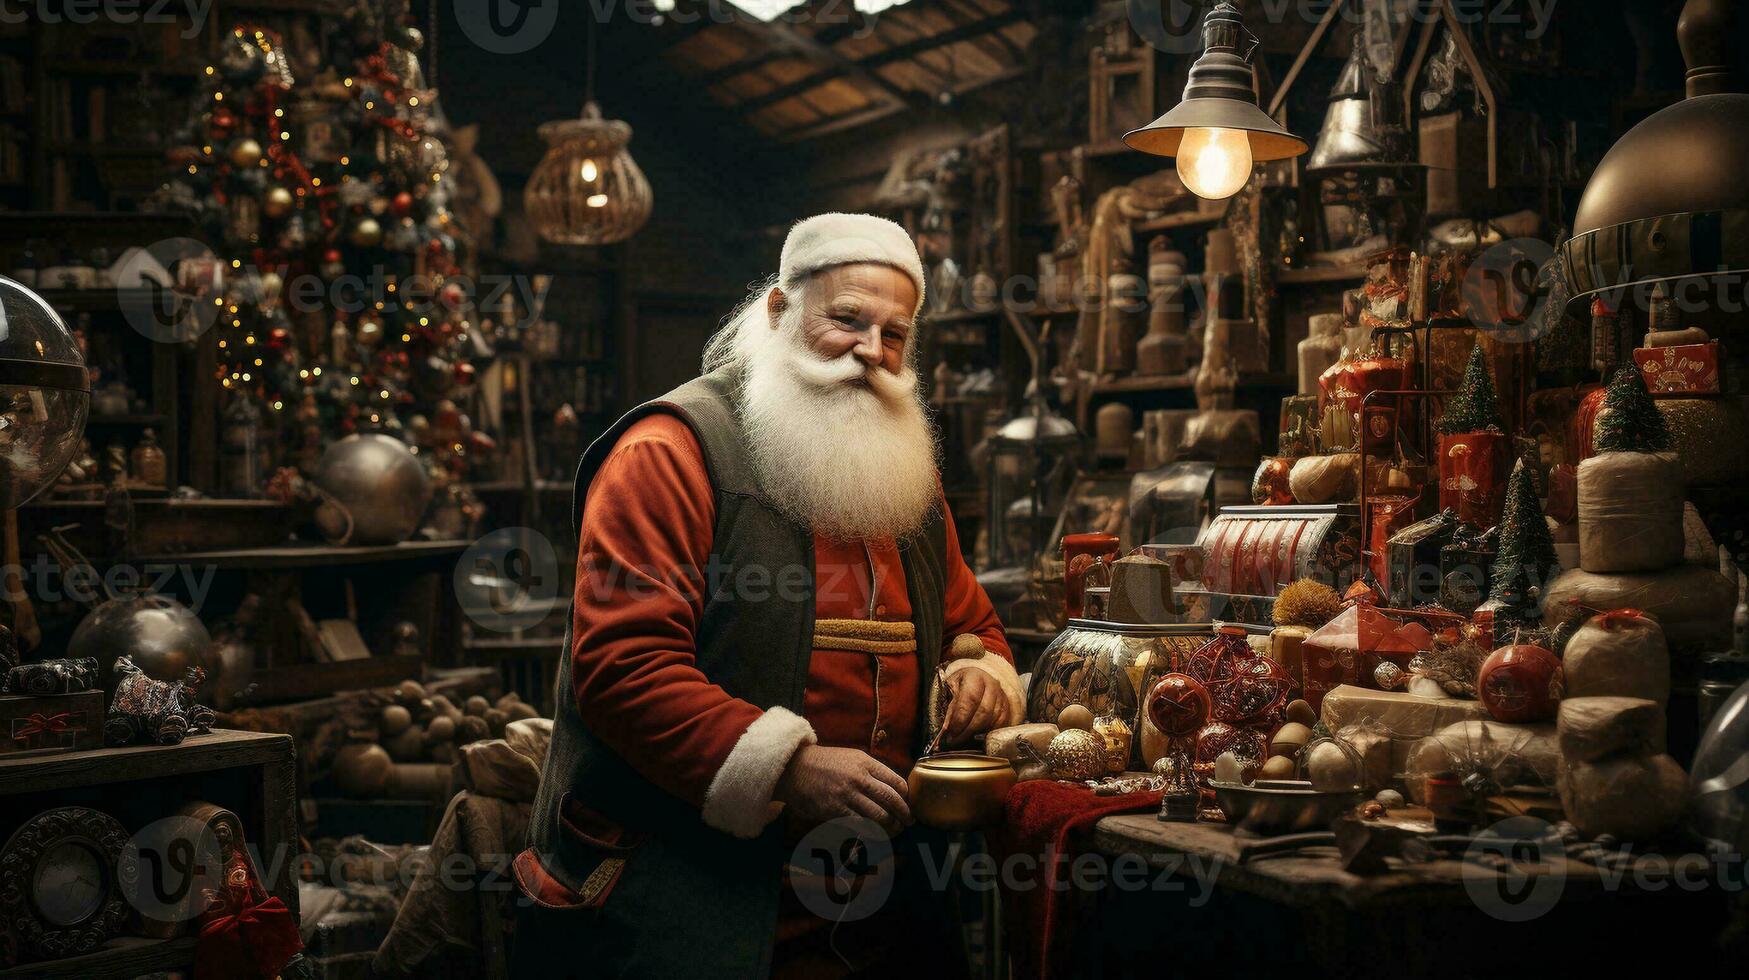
(587, 190)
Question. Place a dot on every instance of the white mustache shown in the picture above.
(827, 373)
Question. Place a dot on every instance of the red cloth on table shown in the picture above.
(1046, 819)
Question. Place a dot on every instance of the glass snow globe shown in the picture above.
(45, 392)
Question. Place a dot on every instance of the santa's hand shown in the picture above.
(979, 704)
(824, 783)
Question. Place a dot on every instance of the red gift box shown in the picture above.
(1473, 467)
(51, 723)
(1687, 369)
(1347, 649)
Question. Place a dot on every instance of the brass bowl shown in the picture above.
(1281, 806)
(960, 790)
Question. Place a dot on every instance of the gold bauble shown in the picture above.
(277, 202)
(369, 333)
(246, 152)
(1076, 755)
(366, 233)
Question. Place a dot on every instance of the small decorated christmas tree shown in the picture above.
(1526, 561)
(1475, 407)
(1630, 421)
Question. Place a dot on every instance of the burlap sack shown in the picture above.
(1621, 655)
(1692, 604)
(1630, 512)
(1632, 799)
(1592, 729)
(1325, 479)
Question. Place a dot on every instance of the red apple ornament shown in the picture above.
(1520, 683)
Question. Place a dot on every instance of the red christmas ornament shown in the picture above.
(452, 295)
(1519, 683)
(1179, 705)
(220, 122)
(402, 204)
(464, 373)
(332, 255)
(278, 338)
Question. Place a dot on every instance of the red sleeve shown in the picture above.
(968, 608)
(647, 528)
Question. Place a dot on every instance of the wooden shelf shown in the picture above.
(1269, 380)
(1320, 274)
(313, 555)
(1170, 222)
(125, 956)
(222, 749)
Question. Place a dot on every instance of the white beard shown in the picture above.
(842, 448)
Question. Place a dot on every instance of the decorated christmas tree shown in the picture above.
(1630, 421)
(322, 188)
(1475, 406)
(1525, 563)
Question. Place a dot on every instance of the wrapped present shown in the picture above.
(43, 724)
(1349, 648)
(1386, 516)
(1466, 565)
(1689, 369)
(1473, 467)
(147, 709)
(1412, 559)
(1345, 386)
(44, 677)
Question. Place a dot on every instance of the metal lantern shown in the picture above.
(587, 190)
(1033, 461)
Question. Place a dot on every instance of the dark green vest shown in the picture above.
(691, 900)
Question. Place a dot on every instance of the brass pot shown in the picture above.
(960, 790)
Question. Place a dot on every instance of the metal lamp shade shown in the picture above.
(587, 190)
(1669, 200)
(1220, 94)
(1269, 141)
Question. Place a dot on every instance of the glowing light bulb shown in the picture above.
(596, 200)
(1214, 163)
(589, 171)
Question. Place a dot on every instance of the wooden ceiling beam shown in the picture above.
(865, 68)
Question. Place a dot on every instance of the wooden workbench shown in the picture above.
(1301, 915)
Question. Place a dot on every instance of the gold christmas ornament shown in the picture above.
(277, 202)
(246, 152)
(587, 190)
(367, 233)
(1076, 755)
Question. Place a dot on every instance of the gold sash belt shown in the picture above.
(865, 636)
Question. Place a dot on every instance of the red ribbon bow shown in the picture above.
(39, 723)
(256, 942)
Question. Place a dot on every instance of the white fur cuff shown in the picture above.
(1003, 673)
(739, 800)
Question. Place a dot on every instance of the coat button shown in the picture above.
(881, 610)
(880, 735)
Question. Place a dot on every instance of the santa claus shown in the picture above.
(772, 620)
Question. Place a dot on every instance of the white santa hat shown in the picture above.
(826, 240)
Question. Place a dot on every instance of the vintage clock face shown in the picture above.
(70, 884)
(59, 889)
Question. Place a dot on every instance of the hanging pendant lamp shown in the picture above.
(587, 190)
(1216, 131)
